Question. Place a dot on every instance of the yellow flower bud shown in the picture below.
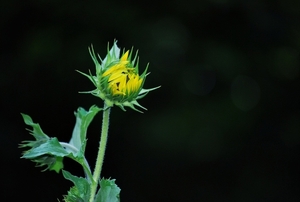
(117, 79)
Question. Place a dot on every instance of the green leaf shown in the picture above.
(43, 151)
(83, 120)
(36, 132)
(73, 195)
(81, 184)
(108, 192)
(48, 154)
(79, 157)
(58, 165)
(51, 162)
(52, 146)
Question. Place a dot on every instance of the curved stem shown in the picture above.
(101, 151)
(86, 166)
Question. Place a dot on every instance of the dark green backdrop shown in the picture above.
(224, 126)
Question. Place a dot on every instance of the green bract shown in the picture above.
(117, 79)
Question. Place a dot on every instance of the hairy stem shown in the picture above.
(101, 152)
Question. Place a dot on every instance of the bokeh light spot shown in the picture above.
(245, 92)
(199, 82)
(285, 63)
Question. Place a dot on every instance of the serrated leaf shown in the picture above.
(108, 192)
(36, 131)
(43, 150)
(58, 165)
(73, 195)
(51, 153)
(83, 120)
(80, 183)
(51, 162)
(52, 146)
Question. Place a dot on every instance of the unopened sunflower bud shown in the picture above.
(117, 79)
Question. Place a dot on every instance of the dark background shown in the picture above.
(224, 126)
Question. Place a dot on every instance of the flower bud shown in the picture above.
(117, 79)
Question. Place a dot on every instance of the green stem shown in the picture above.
(101, 151)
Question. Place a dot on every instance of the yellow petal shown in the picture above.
(125, 56)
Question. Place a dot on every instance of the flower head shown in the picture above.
(117, 79)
